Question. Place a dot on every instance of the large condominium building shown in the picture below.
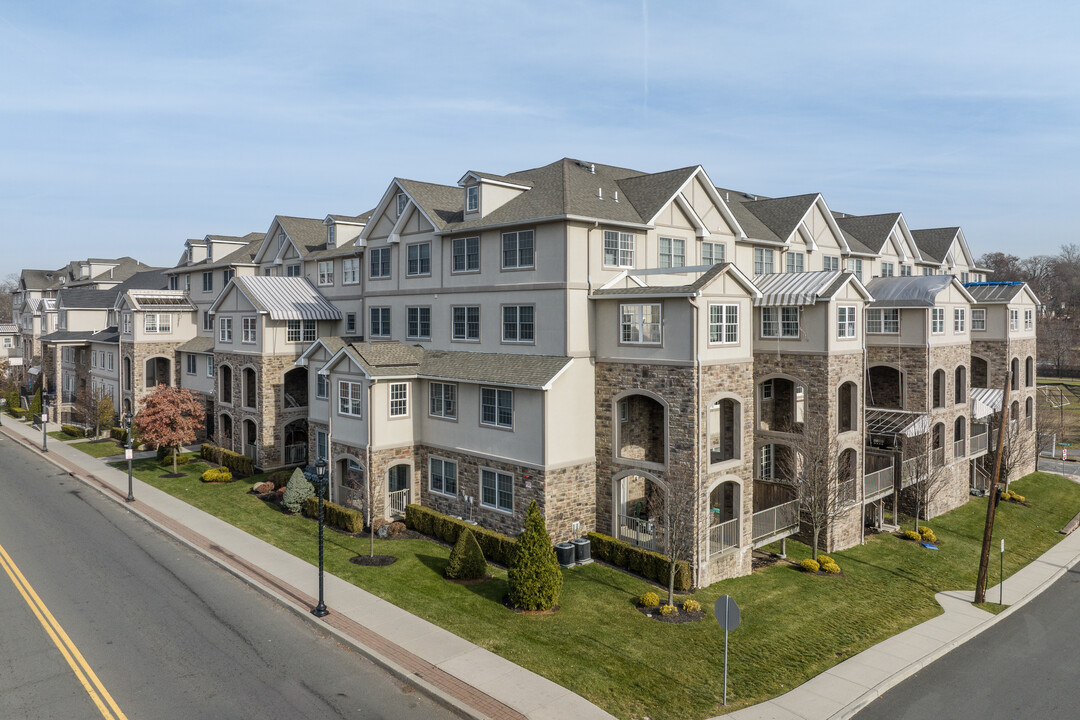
(621, 347)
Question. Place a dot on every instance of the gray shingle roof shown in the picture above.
(780, 215)
(633, 289)
(109, 335)
(84, 298)
(308, 234)
(197, 344)
(934, 243)
(68, 336)
(994, 292)
(869, 231)
(286, 298)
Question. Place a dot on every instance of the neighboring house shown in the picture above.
(11, 348)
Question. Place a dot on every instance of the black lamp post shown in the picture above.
(128, 452)
(320, 472)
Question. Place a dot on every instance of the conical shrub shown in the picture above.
(466, 559)
(297, 490)
(534, 575)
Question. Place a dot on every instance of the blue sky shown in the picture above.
(127, 127)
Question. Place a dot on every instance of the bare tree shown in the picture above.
(8, 286)
(813, 468)
(95, 408)
(1013, 451)
(1057, 339)
(680, 528)
(925, 464)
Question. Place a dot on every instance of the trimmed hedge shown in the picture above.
(338, 516)
(646, 563)
(118, 434)
(498, 548)
(16, 412)
(237, 463)
(73, 431)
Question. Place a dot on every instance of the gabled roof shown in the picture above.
(394, 360)
(493, 178)
(776, 220)
(871, 232)
(988, 293)
(68, 336)
(198, 344)
(243, 255)
(159, 300)
(86, 299)
(40, 279)
(915, 291)
(282, 298)
(934, 243)
(637, 282)
(9, 329)
(808, 288)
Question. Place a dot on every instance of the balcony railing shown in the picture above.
(398, 500)
(775, 522)
(910, 470)
(958, 449)
(724, 536)
(295, 454)
(979, 443)
(847, 491)
(877, 483)
(937, 457)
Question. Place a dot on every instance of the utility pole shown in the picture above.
(991, 501)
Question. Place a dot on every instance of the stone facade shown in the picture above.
(137, 354)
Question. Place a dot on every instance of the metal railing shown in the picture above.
(909, 471)
(250, 450)
(775, 520)
(877, 482)
(398, 500)
(640, 533)
(724, 536)
(958, 449)
(295, 454)
(937, 457)
(846, 491)
(979, 442)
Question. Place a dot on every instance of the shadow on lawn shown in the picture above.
(492, 589)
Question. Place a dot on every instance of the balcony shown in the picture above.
(937, 457)
(772, 524)
(979, 444)
(909, 472)
(847, 492)
(723, 536)
(295, 454)
(877, 484)
(959, 450)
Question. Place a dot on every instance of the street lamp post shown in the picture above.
(128, 452)
(44, 421)
(320, 472)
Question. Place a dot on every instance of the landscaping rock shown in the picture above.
(383, 532)
(261, 488)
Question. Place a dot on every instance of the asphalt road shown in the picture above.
(167, 633)
(1023, 667)
(1072, 469)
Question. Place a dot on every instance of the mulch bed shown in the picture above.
(373, 560)
(761, 560)
(474, 581)
(678, 619)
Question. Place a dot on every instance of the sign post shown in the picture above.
(1001, 575)
(728, 615)
(1064, 457)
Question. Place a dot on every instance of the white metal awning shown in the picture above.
(35, 370)
(985, 401)
(13, 361)
(896, 422)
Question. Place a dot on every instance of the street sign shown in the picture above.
(728, 615)
(1064, 454)
(128, 454)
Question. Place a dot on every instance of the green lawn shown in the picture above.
(98, 449)
(61, 435)
(794, 626)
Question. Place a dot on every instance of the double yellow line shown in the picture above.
(79, 666)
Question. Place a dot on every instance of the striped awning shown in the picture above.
(985, 402)
(287, 298)
(896, 422)
(793, 288)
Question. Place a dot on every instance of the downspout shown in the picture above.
(367, 474)
(697, 441)
(862, 433)
(329, 436)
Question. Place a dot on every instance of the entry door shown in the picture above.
(399, 478)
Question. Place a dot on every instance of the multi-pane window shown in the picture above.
(978, 318)
(300, 331)
(672, 252)
(207, 320)
(766, 462)
(1014, 319)
(191, 364)
(350, 271)
(380, 262)
(905, 271)
(399, 399)
(292, 271)
(174, 282)
(763, 261)
(1029, 319)
(127, 323)
(322, 386)
(830, 262)
(350, 398)
(845, 321)
(227, 275)
(496, 490)
(640, 324)
(249, 331)
(442, 476)
(959, 320)
(963, 277)
(466, 254)
(210, 366)
(419, 259)
(927, 271)
(419, 322)
(854, 266)
(350, 323)
(379, 322)
(517, 249)
(225, 329)
(497, 407)
(518, 323)
(618, 249)
(322, 445)
(724, 324)
(780, 322)
(110, 361)
(402, 202)
(442, 400)
(208, 282)
(888, 269)
(796, 262)
(883, 321)
(326, 272)
(466, 322)
(713, 253)
(937, 320)
(157, 322)
(472, 198)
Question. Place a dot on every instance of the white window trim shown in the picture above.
(640, 324)
(848, 328)
(352, 401)
(870, 313)
(781, 328)
(249, 335)
(513, 407)
(978, 317)
(959, 320)
(225, 330)
(670, 254)
(624, 258)
(398, 414)
(472, 199)
(937, 315)
(724, 324)
(442, 398)
(350, 271)
(326, 277)
(322, 386)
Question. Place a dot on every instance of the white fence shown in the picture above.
(724, 536)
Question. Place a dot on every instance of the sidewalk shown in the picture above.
(471, 681)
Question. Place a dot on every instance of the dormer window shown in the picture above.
(331, 235)
(472, 198)
(402, 201)
(280, 239)
(210, 250)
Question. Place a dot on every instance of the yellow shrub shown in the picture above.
(666, 610)
(928, 535)
(923, 530)
(217, 475)
(810, 565)
(824, 559)
(831, 568)
(912, 535)
(691, 606)
(1017, 498)
(649, 600)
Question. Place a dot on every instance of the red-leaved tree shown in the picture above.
(169, 418)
